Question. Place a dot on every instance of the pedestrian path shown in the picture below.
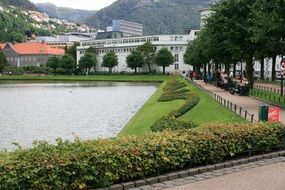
(247, 103)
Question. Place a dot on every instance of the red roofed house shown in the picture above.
(2, 46)
(29, 54)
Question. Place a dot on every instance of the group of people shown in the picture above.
(190, 74)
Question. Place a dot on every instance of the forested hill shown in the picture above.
(75, 15)
(157, 16)
(24, 4)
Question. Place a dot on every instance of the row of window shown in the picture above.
(24, 59)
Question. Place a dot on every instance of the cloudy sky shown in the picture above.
(79, 4)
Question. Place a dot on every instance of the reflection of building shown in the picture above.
(128, 28)
(177, 44)
(29, 54)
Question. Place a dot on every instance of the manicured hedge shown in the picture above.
(171, 123)
(85, 164)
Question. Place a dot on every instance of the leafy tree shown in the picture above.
(3, 62)
(110, 60)
(135, 60)
(87, 62)
(72, 50)
(53, 62)
(148, 52)
(164, 58)
(67, 63)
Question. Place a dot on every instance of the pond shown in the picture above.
(47, 111)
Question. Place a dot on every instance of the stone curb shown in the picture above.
(193, 171)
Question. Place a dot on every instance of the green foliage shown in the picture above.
(67, 63)
(148, 53)
(3, 61)
(172, 124)
(110, 60)
(53, 63)
(72, 50)
(87, 61)
(91, 164)
(135, 60)
(164, 58)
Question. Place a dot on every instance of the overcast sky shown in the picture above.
(79, 4)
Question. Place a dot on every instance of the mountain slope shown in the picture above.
(157, 16)
(24, 4)
(75, 15)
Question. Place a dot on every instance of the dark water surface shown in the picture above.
(46, 111)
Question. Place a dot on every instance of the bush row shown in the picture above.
(172, 124)
(89, 164)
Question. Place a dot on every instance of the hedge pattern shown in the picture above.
(89, 164)
(175, 90)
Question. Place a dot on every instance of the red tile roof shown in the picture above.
(36, 49)
(2, 46)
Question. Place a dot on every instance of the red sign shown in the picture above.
(282, 65)
(273, 114)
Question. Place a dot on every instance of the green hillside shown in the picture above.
(157, 16)
(24, 4)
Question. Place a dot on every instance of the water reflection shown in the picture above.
(46, 111)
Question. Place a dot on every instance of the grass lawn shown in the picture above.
(207, 111)
(119, 78)
(270, 97)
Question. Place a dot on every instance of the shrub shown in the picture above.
(91, 164)
(171, 123)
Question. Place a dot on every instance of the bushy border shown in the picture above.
(91, 164)
(171, 123)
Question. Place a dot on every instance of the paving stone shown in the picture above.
(243, 161)
(139, 183)
(259, 158)
(266, 156)
(158, 188)
(158, 185)
(128, 185)
(183, 174)
(152, 180)
(200, 178)
(172, 176)
(162, 178)
(235, 163)
(190, 178)
(203, 169)
(193, 171)
(147, 187)
(219, 166)
(211, 168)
(116, 187)
(136, 188)
(227, 164)
(218, 174)
(252, 159)
(275, 155)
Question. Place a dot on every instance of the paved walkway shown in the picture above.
(260, 175)
(247, 103)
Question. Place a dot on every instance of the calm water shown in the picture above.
(41, 111)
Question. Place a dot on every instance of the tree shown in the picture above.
(135, 60)
(67, 63)
(72, 50)
(87, 62)
(53, 62)
(164, 58)
(110, 60)
(148, 53)
(3, 61)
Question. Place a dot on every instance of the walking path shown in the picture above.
(247, 103)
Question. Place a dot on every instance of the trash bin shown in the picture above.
(263, 113)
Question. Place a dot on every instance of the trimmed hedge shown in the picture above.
(91, 164)
(171, 123)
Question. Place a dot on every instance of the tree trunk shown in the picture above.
(216, 66)
(149, 67)
(227, 68)
(54, 72)
(249, 70)
(273, 72)
(135, 70)
(235, 70)
(163, 69)
(205, 72)
(262, 68)
(110, 69)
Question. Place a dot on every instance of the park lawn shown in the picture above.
(269, 97)
(206, 112)
(151, 111)
(115, 78)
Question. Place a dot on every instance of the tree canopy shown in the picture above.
(87, 62)
(53, 62)
(110, 60)
(135, 60)
(3, 61)
(148, 52)
(164, 58)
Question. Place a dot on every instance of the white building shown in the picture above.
(204, 13)
(177, 44)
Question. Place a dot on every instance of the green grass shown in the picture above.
(270, 97)
(118, 78)
(149, 113)
(206, 112)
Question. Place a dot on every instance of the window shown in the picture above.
(171, 48)
(176, 58)
(176, 38)
(176, 48)
(181, 48)
(176, 66)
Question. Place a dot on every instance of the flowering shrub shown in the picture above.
(97, 163)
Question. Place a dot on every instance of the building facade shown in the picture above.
(177, 44)
(128, 28)
(29, 54)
